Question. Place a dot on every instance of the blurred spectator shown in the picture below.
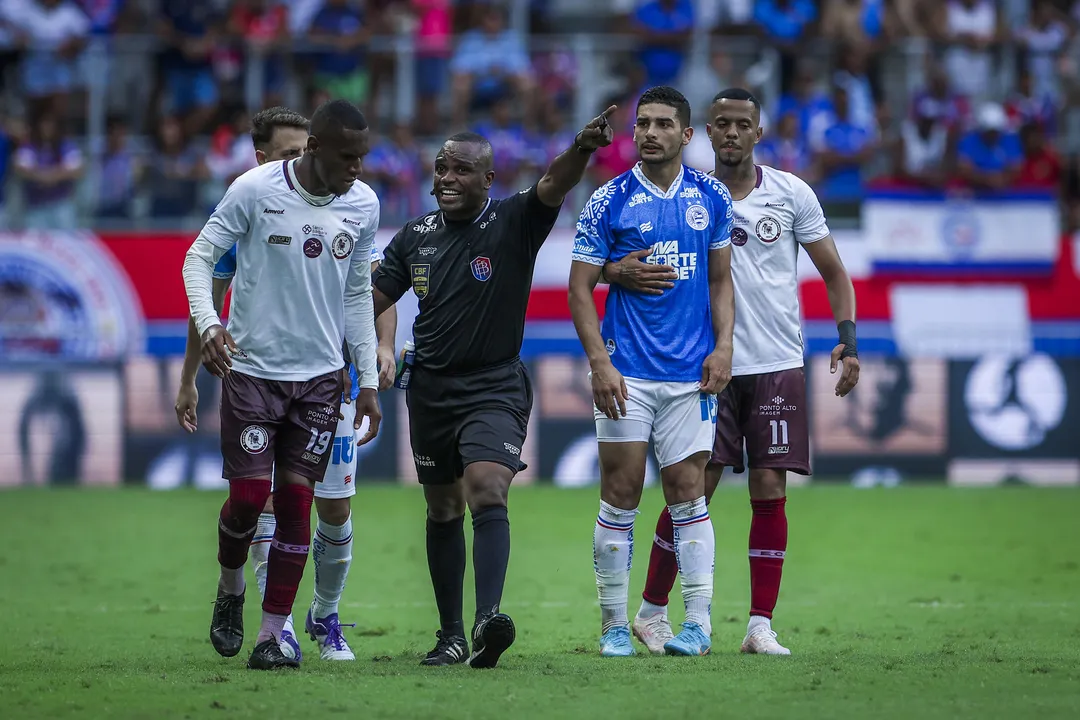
(173, 173)
(621, 154)
(784, 148)
(663, 28)
(231, 153)
(550, 139)
(510, 144)
(1027, 105)
(53, 33)
(395, 169)
(922, 148)
(434, 24)
(841, 149)
(1043, 40)
(48, 166)
(118, 173)
(105, 16)
(852, 75)
(969, 28)
(191, 30)
(940, 102)
(262, 27)
(489, 63)
(857, 23)
(989, 157)
(1041, 167)
(556, 79)
(732, 16)
(908, 18)
(804, 100)
(786, 23)
(341, 68)
(703, 81)
(6, 146)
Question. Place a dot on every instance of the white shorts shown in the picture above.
(340, 478)
(676, 416)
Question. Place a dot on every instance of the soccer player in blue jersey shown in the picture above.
(280, 134)
(658, 360)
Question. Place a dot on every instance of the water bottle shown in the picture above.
(405, 364)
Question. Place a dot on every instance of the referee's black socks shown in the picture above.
(446, 563)
(491, 554)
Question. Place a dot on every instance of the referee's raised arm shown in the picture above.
(568, 168)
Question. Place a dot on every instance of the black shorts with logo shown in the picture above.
(457, 420)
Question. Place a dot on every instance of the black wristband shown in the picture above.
(846, 328)
(581, 149)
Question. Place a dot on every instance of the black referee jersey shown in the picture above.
(472, 279)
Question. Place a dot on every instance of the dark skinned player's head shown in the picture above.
(337, 145)
(734, 126)
(464, 171)
(278, 134)
(662, 128)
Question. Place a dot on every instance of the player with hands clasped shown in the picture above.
(659, 359)
(764, 407)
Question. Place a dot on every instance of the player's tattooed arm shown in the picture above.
(841, 291)
(567, 169)
(716, 370)
(608, 385)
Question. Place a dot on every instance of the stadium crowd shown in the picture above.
(918, 93)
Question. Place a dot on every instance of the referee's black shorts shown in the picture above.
(457, 420)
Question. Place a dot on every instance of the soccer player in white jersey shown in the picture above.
(303, 282)
(278, 134)
(658, 360)
(765, 404)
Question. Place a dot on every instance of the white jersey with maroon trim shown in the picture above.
(300, 261)
(780, 214)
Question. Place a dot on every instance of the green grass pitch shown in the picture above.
(917, 602)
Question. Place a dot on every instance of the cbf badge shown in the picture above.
(481, 268)
(421, 274)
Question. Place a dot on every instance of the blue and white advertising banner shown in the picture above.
(916, 231)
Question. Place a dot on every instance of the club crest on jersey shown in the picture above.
(610, 346)
(481, 268)
(739, 236)
(313, 247)
(697, 217)
(421, 275)
(768, 229)
(342, 246)
(254, 439)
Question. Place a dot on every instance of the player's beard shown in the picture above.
(667, 156)
(731, 157)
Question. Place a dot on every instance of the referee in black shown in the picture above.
(470, 264)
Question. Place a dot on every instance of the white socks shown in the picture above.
(613, 554)
(695, 551)
(648, 609)
(231, 582)
(331, 553)
(259, 553)
(271, 627)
